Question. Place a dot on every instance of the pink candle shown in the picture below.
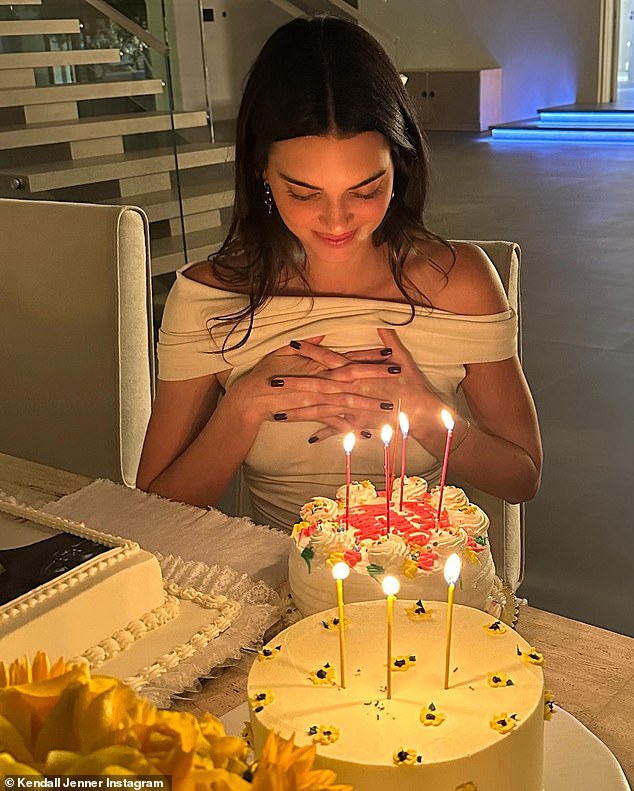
(404, 423)
(348, 445)
(386, 436)
(449, 424)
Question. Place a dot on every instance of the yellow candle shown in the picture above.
(452, 572)
(390, 587)
(340, 572)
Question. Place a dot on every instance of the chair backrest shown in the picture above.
(506, 532)
(76, 346)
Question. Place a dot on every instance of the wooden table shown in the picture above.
(590, 670)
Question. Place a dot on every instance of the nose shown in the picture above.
(336, 215)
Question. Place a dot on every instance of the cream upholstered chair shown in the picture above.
(76, 349)
(506, 533)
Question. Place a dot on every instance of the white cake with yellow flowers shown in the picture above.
(484, 733)
(415, 549)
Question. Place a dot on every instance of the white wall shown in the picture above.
(547, 49)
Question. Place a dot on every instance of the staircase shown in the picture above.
(80, 123)
(604, 123)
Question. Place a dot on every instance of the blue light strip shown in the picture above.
(593, 119)
(570, 135)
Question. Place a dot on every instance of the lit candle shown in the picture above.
(340, 572)
(452, 572)
(394, 454)
(404, 423)
(386, 436)
(390, 588)
(448, 421)
(348, 445)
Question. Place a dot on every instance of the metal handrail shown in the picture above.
(121, 19)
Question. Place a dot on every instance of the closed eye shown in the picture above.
(368, 195)
(296, 196)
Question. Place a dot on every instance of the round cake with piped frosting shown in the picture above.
(413, 548)
(483, 733)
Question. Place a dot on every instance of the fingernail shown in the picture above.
(366, 434)
(277, 383)
(385, 352)
(313, 439)
(295, 345)
(386, 405)
(280, 416)
(394, 369)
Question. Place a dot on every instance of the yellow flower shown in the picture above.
(532, 656)
(332, 624)
(496, 627)
(334, 558)
(499, 680)
(472, 555)
(417, 612)
(504, 723)
(410, 568)
(325, 675)
(549, 704)
(467, 787)
(283, 767)
(298, 527)
(268, 653)
(430, 715)
(323, 734)
(406, 757)
(261, 699)
(403, 663)
(247, 734)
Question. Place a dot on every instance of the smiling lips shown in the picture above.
(335, 241)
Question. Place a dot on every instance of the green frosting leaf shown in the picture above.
(482, 540)
(375, 571)
(308, 554)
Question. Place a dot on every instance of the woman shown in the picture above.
(330, 303)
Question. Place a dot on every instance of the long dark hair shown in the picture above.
(318, 76)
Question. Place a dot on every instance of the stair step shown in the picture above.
(38, 27)
(164, 205)
(20, 2)
(56, 175)
(94, 128)
(53, 94)
(64, 57)
(584, 119)
(532, 129)
(168, 255)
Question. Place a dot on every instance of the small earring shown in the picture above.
(268, 198)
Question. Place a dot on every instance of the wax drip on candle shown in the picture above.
(447, 419)
(404, 424)
(386, 437)
(348, 445)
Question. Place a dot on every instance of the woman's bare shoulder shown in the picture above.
(203, 273)
(459, 279)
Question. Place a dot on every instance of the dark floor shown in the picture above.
(571, 208)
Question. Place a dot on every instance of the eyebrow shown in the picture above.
(363, 183)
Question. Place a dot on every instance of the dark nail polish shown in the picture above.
(394, 369)
(385, 352)
(313, 439)
(277, 383)
(280, 416)
(386, 405)
(366, 434)
(295, 345)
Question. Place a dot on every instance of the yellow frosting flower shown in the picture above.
(499, 680)
(334, 558)
(261, 699)
(325, 675)
(410, 568)
(431, 716)
(298, 527)
(406, 757)
(332, 624)
(504, 723)
(403, 663)
(323, 734)
(496, 627)
(532, 656)
(467, 787)
(282, 767)
(268, 653)
(549, 704)
(418, 612)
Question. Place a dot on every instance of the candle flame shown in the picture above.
(386, 434)
(452, 569)
(348, 442)
(341, 571)
(390, 585)
(447, 419)
(404, 423)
